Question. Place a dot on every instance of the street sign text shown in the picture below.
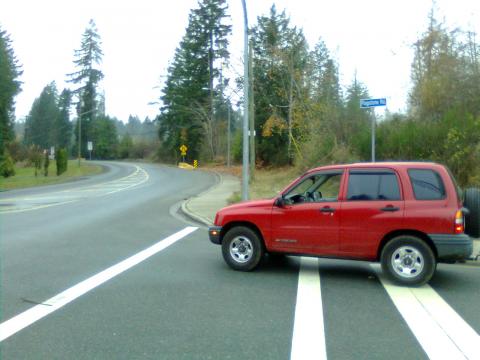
(368, 103)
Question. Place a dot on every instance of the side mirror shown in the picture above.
(280, 201)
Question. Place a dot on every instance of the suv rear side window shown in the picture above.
(427, 184)
(372, 185)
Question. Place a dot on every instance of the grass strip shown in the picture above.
(25, 176)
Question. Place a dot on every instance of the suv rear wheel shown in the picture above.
(242, 248)
(472, 203)
(408, 260)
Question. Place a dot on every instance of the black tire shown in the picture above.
(415, 267)
(472, 220)
(242, 248)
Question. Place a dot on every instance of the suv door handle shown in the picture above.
(390, 208)
(327, 209)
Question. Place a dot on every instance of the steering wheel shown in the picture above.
(316, 196)
(309, 196)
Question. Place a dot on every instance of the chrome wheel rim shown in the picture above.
(241, 249)
(407, 262)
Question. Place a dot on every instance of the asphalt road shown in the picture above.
(178, 299)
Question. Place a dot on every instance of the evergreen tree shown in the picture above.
(328, 138)
(356, 122)
(61, 160)
(87, 78)
(445, 72)
(63, 125)
(326, 92)
(211, 13)
(134, 126)
(149, 130)
(10, 71)
(435, 72)
(189, 95)
(319, 58)
(19, 128)
(443, 121)
(41, 121)
(280, 63)
(105, 139)
(125, 146)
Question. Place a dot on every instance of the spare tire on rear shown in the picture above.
(472, 219)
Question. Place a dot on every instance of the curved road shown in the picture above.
(100, 269)
(117, 178)
(55, 236)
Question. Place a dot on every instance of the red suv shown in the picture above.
(408, 216)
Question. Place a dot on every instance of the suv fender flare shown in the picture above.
(248, 224)
(396, 233)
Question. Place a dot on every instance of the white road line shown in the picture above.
(21, 321)
(441, 332)
(308, 340)
(14, 211)
(102, 189)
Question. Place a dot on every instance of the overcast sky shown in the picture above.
(139, 38)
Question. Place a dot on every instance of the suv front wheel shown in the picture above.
(242, 248)
(408, 260)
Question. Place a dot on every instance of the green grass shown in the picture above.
(25, 176)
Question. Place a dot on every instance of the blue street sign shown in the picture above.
(368, 103)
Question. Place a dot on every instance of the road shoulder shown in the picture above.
(203, 207)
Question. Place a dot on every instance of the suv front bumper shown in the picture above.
(214, 234)
(452, 247)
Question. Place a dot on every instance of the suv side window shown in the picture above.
(373, 185)
(427, 184)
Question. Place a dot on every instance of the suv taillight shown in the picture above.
(459, 224)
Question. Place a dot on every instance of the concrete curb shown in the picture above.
(195, 217)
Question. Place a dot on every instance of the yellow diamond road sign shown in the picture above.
(183, 149)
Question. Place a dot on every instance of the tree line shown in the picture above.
(303, 116)
(49, 123)
(10, 86)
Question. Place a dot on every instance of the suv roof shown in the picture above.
(394, 164)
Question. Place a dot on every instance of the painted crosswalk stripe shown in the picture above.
(21, 321)
(308, 340)
(441, 332)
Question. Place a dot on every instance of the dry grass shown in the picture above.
(266, 183)
(235, 170)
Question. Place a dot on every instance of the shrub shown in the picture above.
(125, 147)
(322, 150)
(18, 151)
(61, 160)
(7, 167)
(46, 163)
(237, 147)
(35, 158)
(143, 149)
